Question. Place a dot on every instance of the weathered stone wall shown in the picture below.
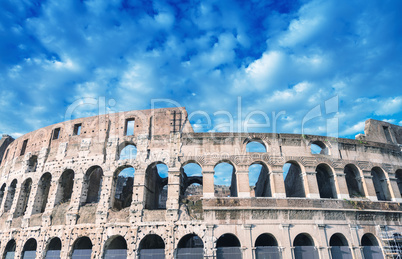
(54, 205)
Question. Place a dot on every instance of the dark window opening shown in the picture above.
(54, 249)
(23, 198)
(190, 246)
(266, 246)
(77, 129)
(124, 181)
(380, 184)
(228, 245)
(259, 182)
(116, 248)
(353, 181)
(303, 240)
(56, 133)
(338, 240)
(92, 185)
(325, 181)
(9, 252)
(82, 248)
(266, 240)
(398, 175)
(32, 163)
(24, 147)
(29, 250)
(156, 185)
(387, 134)
(225, 180)
(65, 187)
(294, 184)
(2, 190)
(10, 196)
(42, 193)
(129, 127)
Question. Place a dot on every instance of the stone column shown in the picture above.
(31, 199)
(138, 201)
(208, 187)
(368, 186)
(393, 188)
(173, 195)
(277, 183)
(75, 201)
(248, 249)
(209, 249)
(310, 184)
(287, 251)
(355, 242)
(341, 186)
(243, 185)
(323, 246)
(51, 202)
(105, 199)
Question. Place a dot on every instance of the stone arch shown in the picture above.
(156, 181)
(294, 182)
(9, 251)
(326, 181)
(339, 246)
(22, 202)
(319, 147)
(256, 145)
(2, 192)
(65, 187)
(380, 184)
(304, 247)
(266, 239)
(228, 244)
(115, 247)
(92, 183)
(398, 176)
(42, 193)
(152, 246)
(53, 248)
(127, 150)
(82, 248)
(369, 239)
(354, 181)
(266, 245)
(225, 182)
(10, 195)
(191, 180)
(371, 247)
(29, 250)
(32, 163)
(122, 187)
(259, 180)
(190, 245)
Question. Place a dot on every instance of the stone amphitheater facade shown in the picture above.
(59, 191)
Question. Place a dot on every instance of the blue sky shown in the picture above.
(212, 57)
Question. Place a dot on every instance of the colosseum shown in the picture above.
(142, 184)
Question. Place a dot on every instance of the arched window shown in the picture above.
(92, 185)
(124, 181)
(29, 250)
(371, 249)
(82, 248)
(10, 195)
(225, 180)
(228, 244)
(304, 247)
(32, 163)
(256, 146)
(152, 246)
(339, 247)
(128, 152)
(325, 181)
(9, 251)
(115, 248)
(22, 202)
(318, 147)
(353, 181)
(190, 246)
(380, 184)
(54, 248)
(191, 181)
(65, 187)
(266, 246)
(294, 184)
(156, 181)
(42, 193)
(2, 190)
(398, 175)
(258, 176)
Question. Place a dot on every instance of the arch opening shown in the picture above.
(325, 181)
(32, 163)
(54, 248)
(2, 191)
(339, 247)
(115, 247)
(294, 184)
(128, 152)
(304, 247)
(371, 248)
(152, 246)
(190, 246)
(225, 180)
(266, 246)
(156, 184)
(65, 187)
(82, 248)
(353, 181)
(255, 146)
(10, 195)
(92, 185)
(23, 198)
(124, 182)
(398, 175)
(228, 244)
(380, 184)
(318, 147)
(191, 182)
(259, 181)
(9, 251)
(42, 194)
(29, 250)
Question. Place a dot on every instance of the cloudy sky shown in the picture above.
(280, 63)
